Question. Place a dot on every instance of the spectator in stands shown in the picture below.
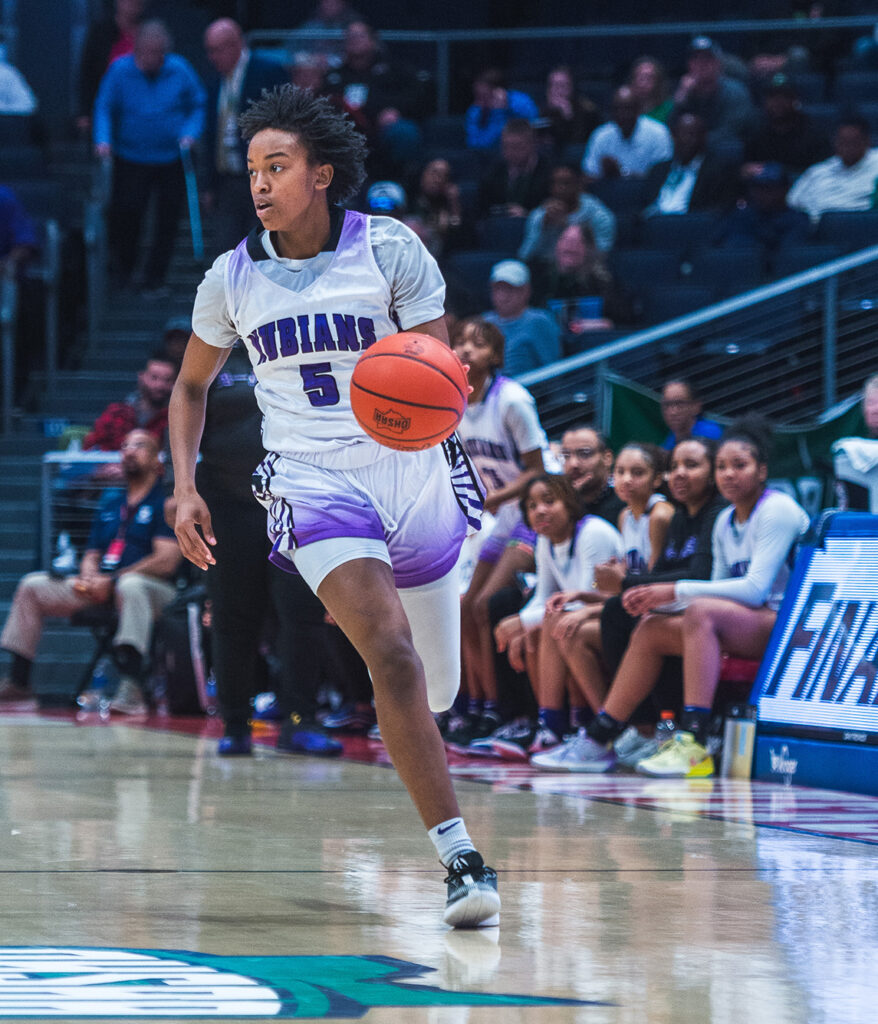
(519, 180)
(150, 106)
(130, 560)
(388, 199)
(578, 273)
(240, 76)
(331, 16)
(733, 612)
(783, 132)
(493, 106)
(693, 179)
(18, 236)
(308, 72)
(385, 98)
(721, 101)
(681, 411)
(567, 204)
(146, 407)
(648, 80)
(629, 144)
(437, 202)
(106, 39)
(567, 118)
(845, 181)
(175, 337)
(762, 217)
(531, 335)
(19, 123)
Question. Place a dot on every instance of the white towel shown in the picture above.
(862, 453)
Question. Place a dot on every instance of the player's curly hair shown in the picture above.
(753, 430)
(328, 134)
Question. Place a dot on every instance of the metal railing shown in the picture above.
(443, 42)
(95, 241)
(788, 349)
(71, 488)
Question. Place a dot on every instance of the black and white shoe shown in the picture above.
(473, 901)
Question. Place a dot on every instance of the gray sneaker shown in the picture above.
(129, 698)
(579, 754)
(632, 747)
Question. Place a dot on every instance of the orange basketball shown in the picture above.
(408, 391)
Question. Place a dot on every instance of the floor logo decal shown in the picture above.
(46, 982)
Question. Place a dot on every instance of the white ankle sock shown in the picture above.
(450, 839)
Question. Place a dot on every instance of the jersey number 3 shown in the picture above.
(319, 384)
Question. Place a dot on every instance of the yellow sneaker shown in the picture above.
(680, 758)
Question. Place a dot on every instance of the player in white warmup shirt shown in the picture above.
(375, 533)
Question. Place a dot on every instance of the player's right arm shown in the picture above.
(201, 364)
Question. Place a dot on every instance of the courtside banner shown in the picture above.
(819, 677)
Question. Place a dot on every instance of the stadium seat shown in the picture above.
(464, 163)
(622, 195)
(725, 271)
(810, 85)
(824, 114)
(856, 87)
(848, 229)
(666, 302)
(501, 234)
(641, 268)
(469, 196)
(796, 258)
(678, 232)
(470, 270)
(445, 131)
(43, 199)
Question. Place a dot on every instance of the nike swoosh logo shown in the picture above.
(448, 828)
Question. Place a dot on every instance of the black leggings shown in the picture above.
(134, 185)
(616, 629)
(244, 588)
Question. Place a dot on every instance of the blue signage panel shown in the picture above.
(819, 677)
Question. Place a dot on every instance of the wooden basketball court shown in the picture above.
(142, 878)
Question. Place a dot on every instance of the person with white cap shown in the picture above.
(532, 336)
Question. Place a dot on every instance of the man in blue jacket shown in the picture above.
(240, 77)
(150, 106)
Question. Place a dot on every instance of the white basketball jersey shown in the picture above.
(497, 430)
(304, 344)
(635, 537)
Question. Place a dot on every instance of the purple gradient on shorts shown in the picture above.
(445, 560)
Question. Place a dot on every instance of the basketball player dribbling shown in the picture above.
(376, 533)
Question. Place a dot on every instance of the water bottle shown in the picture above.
(665, 728)
(99, 694)
(212, 707)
